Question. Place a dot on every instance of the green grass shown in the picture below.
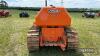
(13, 31)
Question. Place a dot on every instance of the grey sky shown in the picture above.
(66, 3)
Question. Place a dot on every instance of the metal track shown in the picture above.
(72, 38)
(33, 39)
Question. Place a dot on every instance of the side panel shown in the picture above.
(52, 34)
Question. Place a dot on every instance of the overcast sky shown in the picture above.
(66, 3)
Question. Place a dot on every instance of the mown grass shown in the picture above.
(13, 31)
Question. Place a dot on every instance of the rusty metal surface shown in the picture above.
(73, 41)
(33, 39)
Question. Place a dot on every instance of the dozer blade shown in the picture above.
(33, 39)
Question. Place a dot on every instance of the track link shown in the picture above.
(72, 38)
(33, 39)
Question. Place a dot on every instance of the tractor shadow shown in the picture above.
(55, 51)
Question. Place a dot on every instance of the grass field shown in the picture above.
(13, 31)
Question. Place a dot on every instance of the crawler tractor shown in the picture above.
(24, 14)
(89, 15)
(52, 27)
(4, 13)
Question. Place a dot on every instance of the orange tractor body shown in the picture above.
(49, 16)
(51, 28)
